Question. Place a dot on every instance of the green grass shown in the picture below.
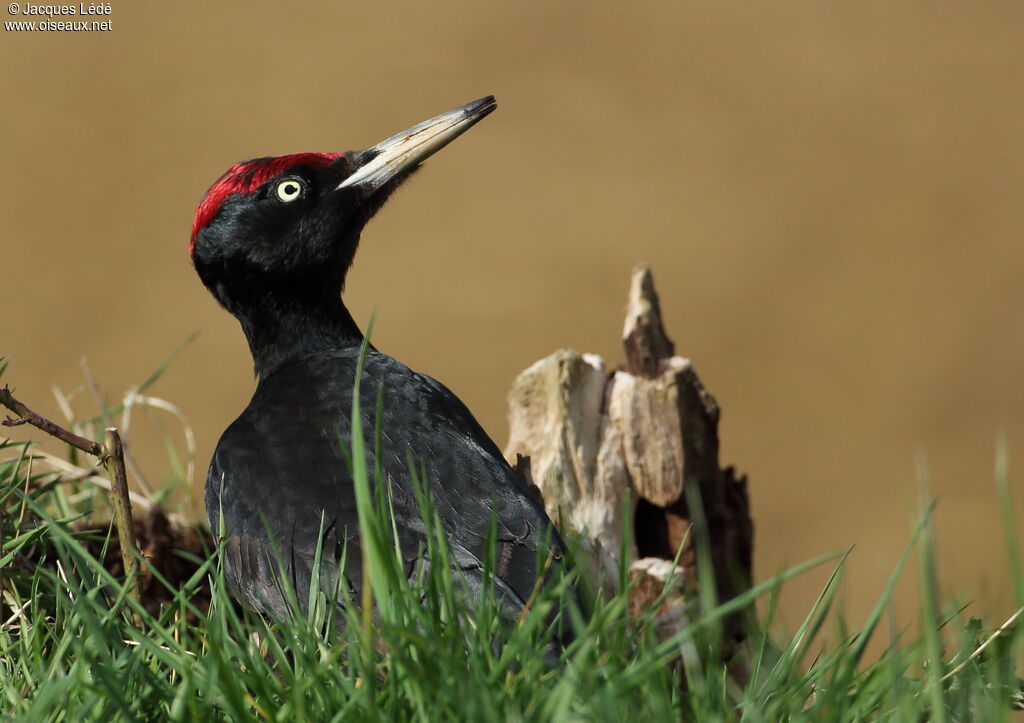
(74, 645)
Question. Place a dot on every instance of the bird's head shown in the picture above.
(289, 226)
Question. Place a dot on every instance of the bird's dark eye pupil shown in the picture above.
(291, 188)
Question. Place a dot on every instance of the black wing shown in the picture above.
(275, 499)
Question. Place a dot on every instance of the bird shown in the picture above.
(273, 239)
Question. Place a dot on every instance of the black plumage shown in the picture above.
(273, 240)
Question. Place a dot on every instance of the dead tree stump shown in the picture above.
(651, 429)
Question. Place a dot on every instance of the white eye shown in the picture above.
(289, 189)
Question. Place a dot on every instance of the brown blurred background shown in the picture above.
(829, 195)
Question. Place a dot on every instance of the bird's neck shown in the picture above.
(284, 327)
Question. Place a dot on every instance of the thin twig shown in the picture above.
(998, 631)
(17, 612)
(27, 416)
(122, 506)
(111, 456)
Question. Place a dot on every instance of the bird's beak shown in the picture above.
(412, 147)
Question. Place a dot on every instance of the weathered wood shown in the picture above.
(643, 336)
(647, 433)
(556, 420)
(643, 411)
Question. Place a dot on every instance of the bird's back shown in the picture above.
(280, 475)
